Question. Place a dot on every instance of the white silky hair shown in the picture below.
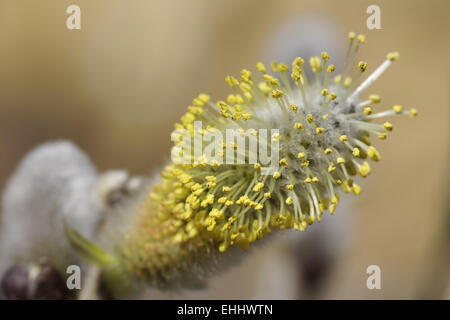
(54, 182)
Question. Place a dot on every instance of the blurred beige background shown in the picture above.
(117, 86)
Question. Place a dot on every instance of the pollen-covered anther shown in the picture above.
(347, 82)
(397, 108)
(356, 189)
(261, 68)
(298, 125)
(388, 126)
(331, 168)
(283, 162)
(258, 187)
(277, 93)
(373, 153)
(362, 65)
(375, 98)
(319, 130)
(392, 56)
(364, 169)
(289, 200)
(368, 111)
(301, 155)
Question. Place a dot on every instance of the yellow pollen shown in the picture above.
(356, 189)
(397, 108)
(298, 125)
(301, 155)
(343, 138)
(267, 195)
(328, 151)
(337, 79)
(274, 66)
(325, 116)
(276, 175)
(277, 93)
(290, 187)
(393, 56)
(374, 98)
(413, 112)
(368, 111)
(226, 189)
(364, 169)
(264, 87)
(289, 200)
(320, 130)
(331, 168)
(229, 203)
(309, 118)
(283, 162)
(293, 107)
(388, 126)
(356, 152)
(258, 187)
(347, 82)
(333, 96)
(340, 160)
(232, 81)
(259, 206)
(362, 66)
(283, 67)
(222, 200)
(261, 68)
(373, 153)
(204, 97)
(299, 61)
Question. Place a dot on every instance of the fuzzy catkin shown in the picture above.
(201, 210)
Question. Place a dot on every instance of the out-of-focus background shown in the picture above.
(117, 86)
